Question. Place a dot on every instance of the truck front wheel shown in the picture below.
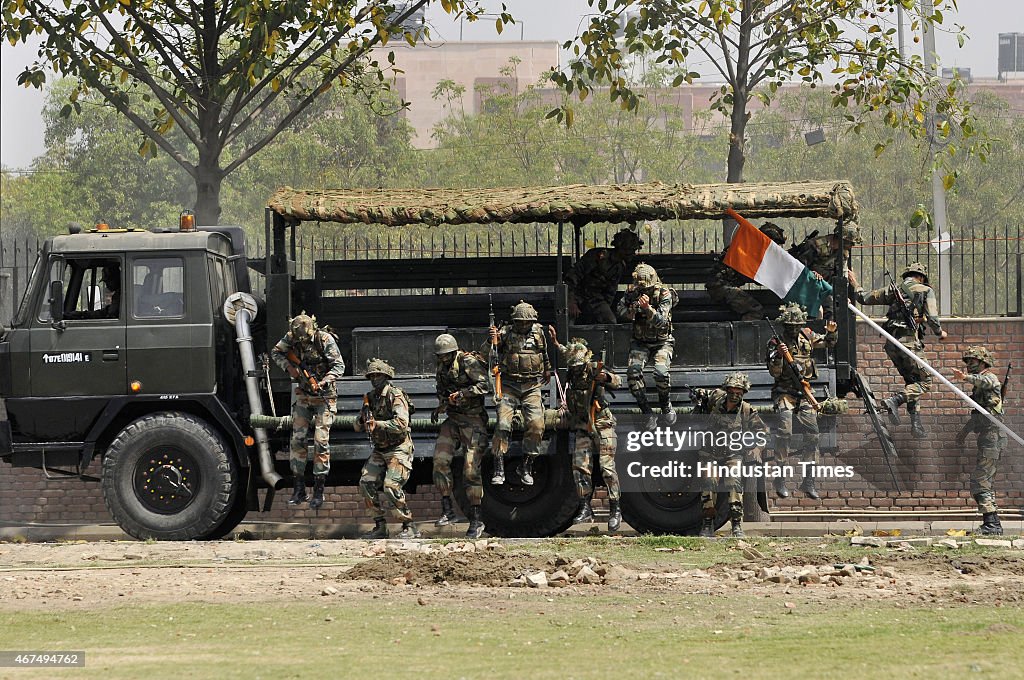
(169, 476)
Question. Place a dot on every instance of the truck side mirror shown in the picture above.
(57, 304)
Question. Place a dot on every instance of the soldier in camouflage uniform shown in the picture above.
(525, 367)
(991, 440)
(594, 281)
(788, 394)
(729, 413)
(317, 352)
(461, 387)
(724, 285)
(921, 297)
(648, 304)
(589, 416)
(819, 255)
(385, 415)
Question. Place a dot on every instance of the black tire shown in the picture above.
(516, 511)
(239, 509)
(678, 513)
(169, 476)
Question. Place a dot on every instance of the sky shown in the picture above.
(21, 128)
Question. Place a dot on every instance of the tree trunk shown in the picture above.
(208, 181)
(737, 152)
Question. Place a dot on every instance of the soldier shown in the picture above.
(729, 413)
(524, 366)
(595, 279)
(987, 393)
(385, 415)
(724, 285)
(588, 414)
(788, 394)
(648, 304)
(461, 387)
(819, 254)
(311, 357)
(921, 300)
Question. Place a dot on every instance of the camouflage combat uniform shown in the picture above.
(652, 337)
(991, 440)
(465, 424)
(740, 417)
(788, 395)
(819, 255)
(595, 279)
(921, 298)
(389, 466)
(318, 352)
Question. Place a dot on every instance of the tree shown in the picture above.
(213, 72)
(757, 45)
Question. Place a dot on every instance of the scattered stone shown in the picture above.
(588, 576)
(745, 575)
(887, 572)
(868, 541)
(753, 554)
(399, 581)
(1018, 543)
(132, 555)
(329, 590)
(848, 570)
(538, 580)
(780, 578)
(993, 542)
(519, 582)
(809, 577)
(764, 573)
(911, 542)
(946, 543)
(559, 579)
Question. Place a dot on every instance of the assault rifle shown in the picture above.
(908, 311)
(366, 415)
(594, 405)
(802, 249)
(492, 356)
(308, 381)
(1006, 381)
(787, 360)
(699, 397)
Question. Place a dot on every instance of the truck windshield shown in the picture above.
(22, 315)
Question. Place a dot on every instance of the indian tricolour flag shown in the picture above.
(757, 257)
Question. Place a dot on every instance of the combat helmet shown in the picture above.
(378, 366)
(851, 233)
(627, 238)
(577, 353)
(445, 344)
(774, 232)
(979, 352)
(302, 327)
(524, 311)
(738, 379)
(792, 314)
(915, 268)
(645, 276)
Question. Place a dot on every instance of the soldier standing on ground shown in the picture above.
(385, 415)
(461, 387)
(525, 367)
(987, 393)
(729, 413)
(724, 285)
(307, 349)
(921, 299)
(593, 422)
(790, 401)
(595, 279)
(648, 304)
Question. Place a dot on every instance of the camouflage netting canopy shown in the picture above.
(577, 203)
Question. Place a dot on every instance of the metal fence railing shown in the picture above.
(987, 265)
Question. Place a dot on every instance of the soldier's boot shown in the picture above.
(650, 420)
(299, 492)
(526, 471)
(498, 478)
(614, 516)
(668, 412)
(990, 525)
(379, 530)
(476, 523)
(584, 513)
(318, 492)
(409, 530)
(916, 426)
(448, 515)
(737, 529)
(707, 528)
(892, 407)
(780, 487)
(807, 486)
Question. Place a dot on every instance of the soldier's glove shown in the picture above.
(435, 415)
(961, 437)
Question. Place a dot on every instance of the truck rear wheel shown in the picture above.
(657, 512)
(169, 476)
(515, 510)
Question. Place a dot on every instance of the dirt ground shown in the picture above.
(70, 576)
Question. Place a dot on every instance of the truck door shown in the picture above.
(81, 363)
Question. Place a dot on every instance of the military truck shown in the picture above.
(163, 391)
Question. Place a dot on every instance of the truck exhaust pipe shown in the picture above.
(240, 310)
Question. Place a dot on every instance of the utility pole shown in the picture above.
(938, 191)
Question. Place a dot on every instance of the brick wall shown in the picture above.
(933, 474)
